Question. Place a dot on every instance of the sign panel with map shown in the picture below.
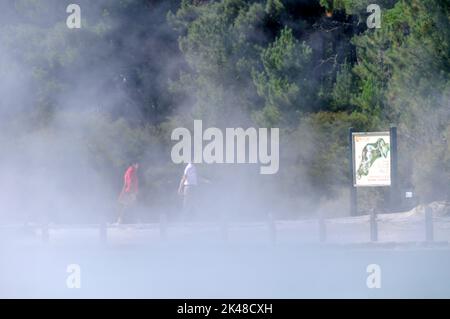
(371, 159)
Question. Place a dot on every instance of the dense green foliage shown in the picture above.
(139, 68)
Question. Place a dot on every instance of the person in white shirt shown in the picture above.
(187, 189)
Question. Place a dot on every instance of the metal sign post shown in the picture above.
(394, 191)
(353, 191)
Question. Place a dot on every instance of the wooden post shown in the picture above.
(45, 232)
(429, 231)
(163, 226)
(103, 231)
(373, 226)
(322, 229)
(272, 228)
(223, 227)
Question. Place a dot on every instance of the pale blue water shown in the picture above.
(221, 270)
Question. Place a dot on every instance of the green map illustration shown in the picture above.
(370, 153)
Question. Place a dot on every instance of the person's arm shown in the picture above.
(126, 184)
(122, 191)
(127, 181)
(181, 186)
(134, 183)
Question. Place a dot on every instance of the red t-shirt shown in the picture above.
(131, 180)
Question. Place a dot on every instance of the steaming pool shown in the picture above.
(201, 260)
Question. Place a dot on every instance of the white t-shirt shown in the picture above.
(191, 175)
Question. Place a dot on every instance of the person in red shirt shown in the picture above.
(130, 189)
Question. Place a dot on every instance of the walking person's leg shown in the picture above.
(189, 202)
(185, 209)
(126, 201)
(193, 202)
(121, 212)
(132, 209)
